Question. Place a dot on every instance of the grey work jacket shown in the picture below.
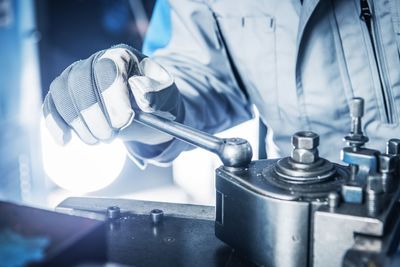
(299, 64)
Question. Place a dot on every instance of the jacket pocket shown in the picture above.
(251, 43)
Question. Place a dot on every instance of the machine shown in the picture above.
(301, 210)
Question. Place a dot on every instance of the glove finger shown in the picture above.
(111, 74)
(153, 96)
(83, 92)
(155, 89)
(58, 128)
(140, 86)
(66, 108)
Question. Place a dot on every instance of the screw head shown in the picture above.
(305, 140)
(393, 147)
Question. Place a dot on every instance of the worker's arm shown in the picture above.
(96, 97)
(195, 56)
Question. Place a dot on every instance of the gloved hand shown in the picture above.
(96, 97)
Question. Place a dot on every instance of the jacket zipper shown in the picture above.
(367, 16)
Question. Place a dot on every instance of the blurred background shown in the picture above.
(38, 40)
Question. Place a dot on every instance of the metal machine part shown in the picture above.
(303, 210)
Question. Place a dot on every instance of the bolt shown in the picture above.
(333, 200)
(393, 147)
(156, 216)
(305, 140)
(113, 212)
(357, 107)
(356, 138)
(305, 156)
(305, 147)
(374, 196)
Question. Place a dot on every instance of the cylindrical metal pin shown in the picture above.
(333, 200)
(156, 216)
(113, 212)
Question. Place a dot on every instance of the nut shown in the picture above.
(393, 147)
(305, 156)
(387, 163)
(305, 140)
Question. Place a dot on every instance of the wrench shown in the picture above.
(233, 152)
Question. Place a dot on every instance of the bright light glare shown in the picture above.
(81, 168)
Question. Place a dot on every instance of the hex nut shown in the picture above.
(387, 163)
(305, 156)
(305, 140)
(393, 147)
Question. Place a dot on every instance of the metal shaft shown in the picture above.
(233, 152)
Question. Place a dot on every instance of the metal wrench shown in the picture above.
(233, 152)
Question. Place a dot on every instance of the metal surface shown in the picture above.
(233, 152)
(184, 237)
(269, 230)
(95, 208)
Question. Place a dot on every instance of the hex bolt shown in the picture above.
(157, 216)
(305, 147)
(393, 147)
(333, 200)
(113, 212)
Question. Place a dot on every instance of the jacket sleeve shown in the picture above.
(195, 55)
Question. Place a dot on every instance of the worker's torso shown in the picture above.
(311, 89)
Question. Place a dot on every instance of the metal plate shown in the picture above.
(185, 237)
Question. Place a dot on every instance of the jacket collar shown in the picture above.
(306, 11)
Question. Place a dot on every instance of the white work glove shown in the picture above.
(96, 98)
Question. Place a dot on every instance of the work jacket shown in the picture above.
(300, 64)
